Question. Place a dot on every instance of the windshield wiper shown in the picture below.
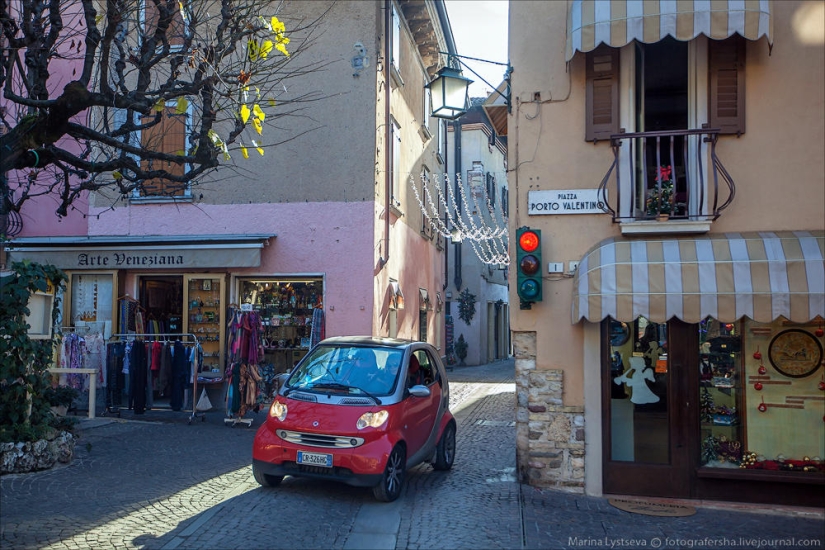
(337, 386)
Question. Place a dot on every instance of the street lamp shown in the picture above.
(449, 92)
(449, 88)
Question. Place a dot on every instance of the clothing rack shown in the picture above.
(188, 339)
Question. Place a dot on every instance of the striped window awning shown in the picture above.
(728, 276)
(617, 23)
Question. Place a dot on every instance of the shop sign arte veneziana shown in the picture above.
(567, 201)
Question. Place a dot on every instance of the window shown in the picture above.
(167, 136)
(427, 104)
(491, 188)
(396, 39)
(505, 203)
(426, 226)
(153, 15)
(661, 82)
(422, 326)
(441, 140)
(395, 169)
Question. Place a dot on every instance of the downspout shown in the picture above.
(457, 191)
(388, 169)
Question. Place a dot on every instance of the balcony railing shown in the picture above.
(674, 174)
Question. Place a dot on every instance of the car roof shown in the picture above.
(369, 341)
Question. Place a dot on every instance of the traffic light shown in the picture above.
(528, 258)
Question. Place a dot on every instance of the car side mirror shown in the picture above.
(420, 391)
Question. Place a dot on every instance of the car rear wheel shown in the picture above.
(392, 481)
(266, 480)
(445, 451)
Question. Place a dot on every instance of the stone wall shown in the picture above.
(549, 435)
(18, 458)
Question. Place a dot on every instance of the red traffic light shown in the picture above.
(528, 241)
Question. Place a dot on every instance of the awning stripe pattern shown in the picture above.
(726, 276)
(619, 22)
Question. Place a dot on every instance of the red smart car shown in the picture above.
(359, 410)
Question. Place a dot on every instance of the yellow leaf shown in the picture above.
(98, 18)
(257, 123)
(252, 49)
(258, 112)
(281, 48)
(117, 175)
(271, 102)
(244, 152)
(180, 152)
(277, 25)
(258, 147)
(213, 135)
(181, 106)
(158, 107)
(244, 113)
(266, 47)
(226, 155)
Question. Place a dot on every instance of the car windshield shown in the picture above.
(373, 371)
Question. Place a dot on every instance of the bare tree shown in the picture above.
(141, 96)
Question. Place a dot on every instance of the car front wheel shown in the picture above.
(392, 481)
(266, 480)
(445, 451)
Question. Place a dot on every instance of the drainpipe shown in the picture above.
(387, 131)
(457, 191)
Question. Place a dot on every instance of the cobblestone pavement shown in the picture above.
(167, 484)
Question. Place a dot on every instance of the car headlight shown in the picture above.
(278, 410)
(372, 420)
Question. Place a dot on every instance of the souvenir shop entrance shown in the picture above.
(161, 298)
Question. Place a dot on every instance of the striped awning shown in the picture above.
(727, 276)
(619, 22)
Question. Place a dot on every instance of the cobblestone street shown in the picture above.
(168, 484)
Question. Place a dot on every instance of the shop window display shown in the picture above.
(762, 400)
(290, 312)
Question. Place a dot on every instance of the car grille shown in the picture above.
(320, 440)
(356, 401)
(304, 397)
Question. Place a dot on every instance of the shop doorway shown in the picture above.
(162, 299)
(647, 428)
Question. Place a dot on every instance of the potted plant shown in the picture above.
(658, 206)
(61, 398)
(461, 348)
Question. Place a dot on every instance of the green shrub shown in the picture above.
(25, 413)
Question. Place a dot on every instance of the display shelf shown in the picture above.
(204, 319)
(721, 402)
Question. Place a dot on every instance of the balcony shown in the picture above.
(666, 181)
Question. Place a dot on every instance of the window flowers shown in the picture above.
(656, 204)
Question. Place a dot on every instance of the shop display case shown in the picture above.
(289, 314)
(204, 318)
(720, 400)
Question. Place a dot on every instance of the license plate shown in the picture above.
(315, 459)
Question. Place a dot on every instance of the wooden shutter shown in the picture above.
(602, 95)
(727, 85)
(176, 31)
(167, 136)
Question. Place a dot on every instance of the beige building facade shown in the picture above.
(671, 154)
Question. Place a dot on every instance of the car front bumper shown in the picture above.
(360, 466)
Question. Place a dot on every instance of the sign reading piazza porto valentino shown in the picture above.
(570, 201)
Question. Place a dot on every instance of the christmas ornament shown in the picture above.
(757, 355)
(762, 369)
(758, 386)
(762, 407)
(819, 332)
